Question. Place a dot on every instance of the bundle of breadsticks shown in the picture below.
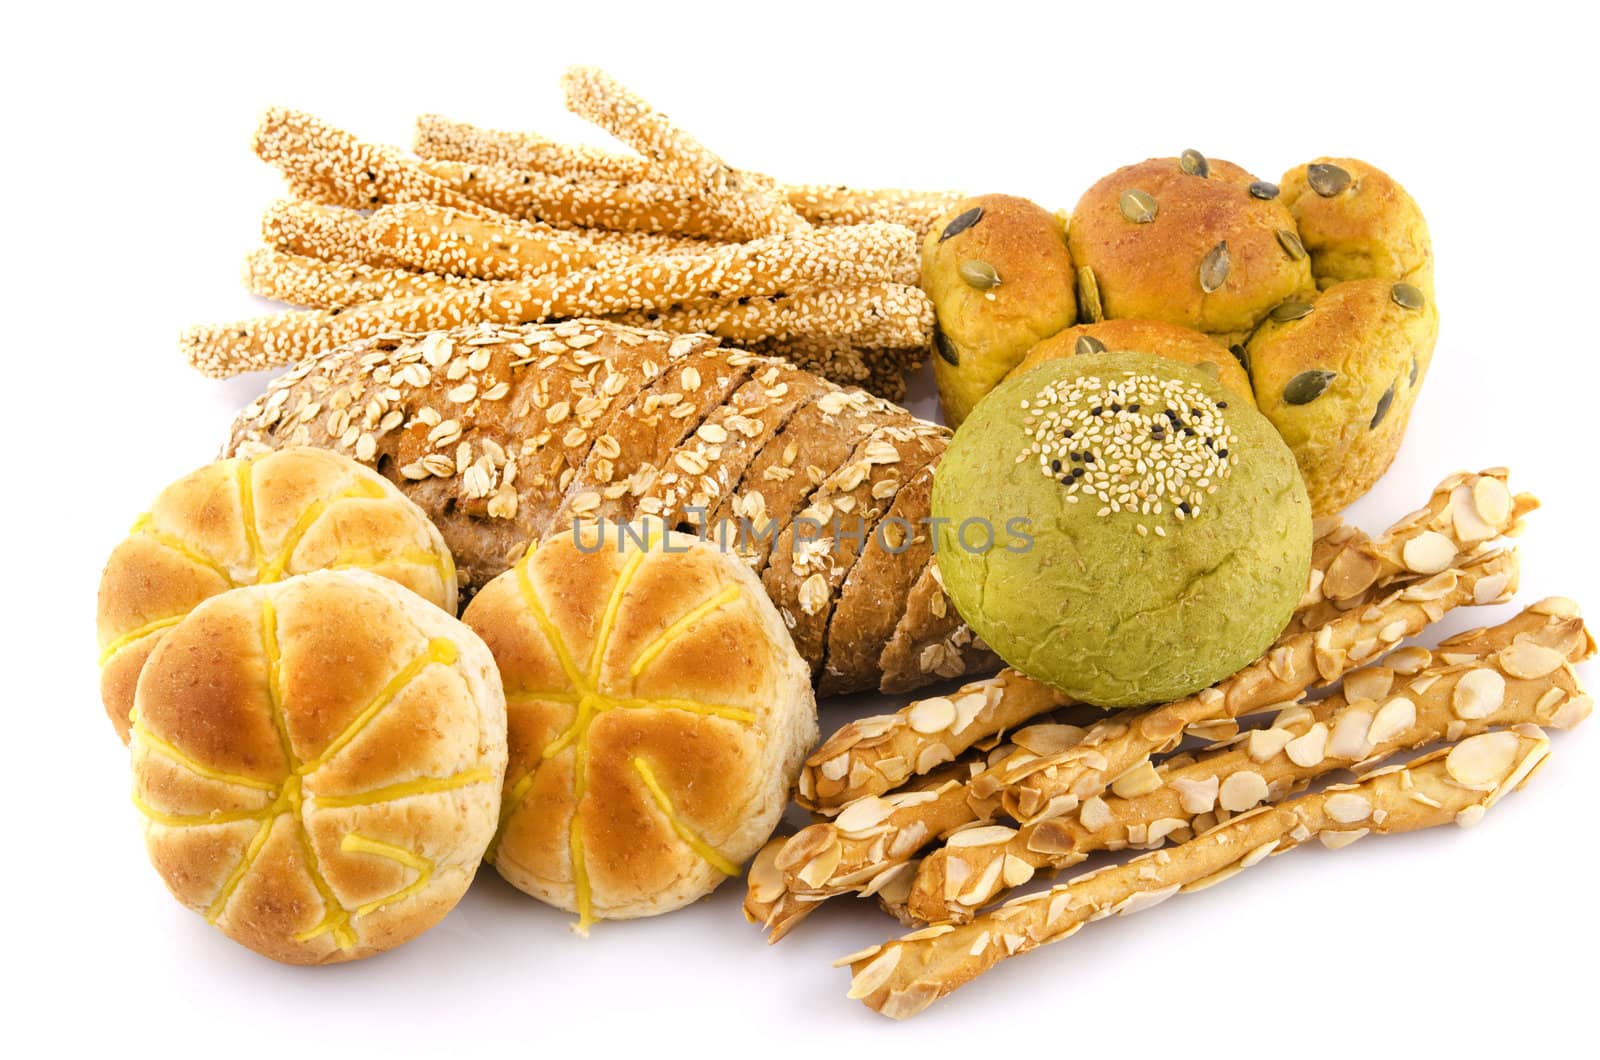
(512, 228)
(942, 808)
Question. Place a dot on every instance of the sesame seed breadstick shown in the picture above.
(620, 246)
(834, 359)
(440, 239)
(752, 207)
(882, 314)
(1518, 672)
(331, 166)
(318, 284)
(441, 139)
(829, 204)
(823, 257)
(330, 233)
(1456, 784)
(1124, 742)
(584, 202)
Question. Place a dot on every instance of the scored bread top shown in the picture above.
(255, 521)
(658, 716)
(505, 435)
(318, 763)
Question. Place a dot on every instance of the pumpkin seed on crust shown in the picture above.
(1089, 307)
(979, 274)
(1307, 386)
(1383, 408)
(1406, 296)
(1088, 344)
(1214, 267)
(1241, 354)
(946, 349)
(1194, 163)
(1291, 244)
(1263, 189)
(1138, 206)
(961, 223)
(1290, 310)
(1327, 179)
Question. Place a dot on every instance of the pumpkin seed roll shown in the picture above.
(1001, 279)
(1187, 241)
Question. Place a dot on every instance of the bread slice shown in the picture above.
(822, 544)
(931, 642)
(874, 592)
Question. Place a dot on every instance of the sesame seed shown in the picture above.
(1131, 461)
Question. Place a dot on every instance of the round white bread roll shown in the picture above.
(658, 716)
(318, 762)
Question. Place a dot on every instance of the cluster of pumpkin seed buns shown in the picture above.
(1312, 298)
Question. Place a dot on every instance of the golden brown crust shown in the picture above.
(1023, 291)
(1339, 382)
(1171, 341)
(278, 761)
(1369, 229)
(658, 716)
(1152, 270)
(244, 522)
(868, 601)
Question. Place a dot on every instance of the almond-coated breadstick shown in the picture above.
(1519, 672)
(876, 834)
(872, 755)
(1452, 785)
(1122, 746)
(1123, 743)
(1361, 565)
(819, 258)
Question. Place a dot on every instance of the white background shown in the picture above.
(131, 196)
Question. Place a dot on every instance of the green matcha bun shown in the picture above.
(1170, 530)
